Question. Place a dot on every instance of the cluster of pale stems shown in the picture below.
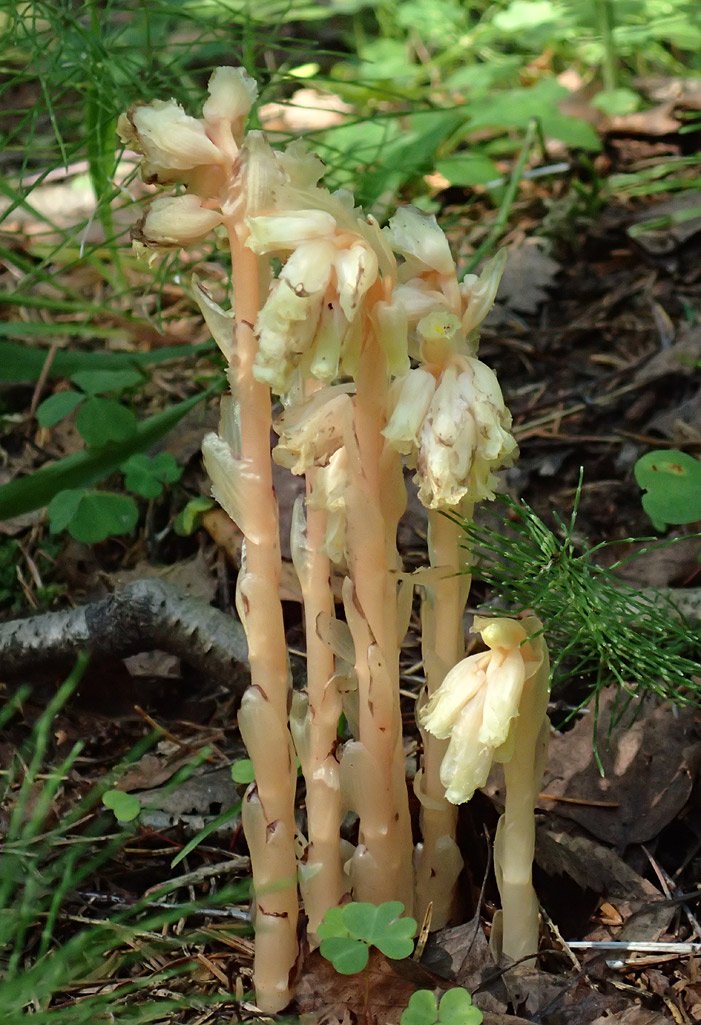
(368, 341)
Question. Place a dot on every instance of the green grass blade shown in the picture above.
(88, 467)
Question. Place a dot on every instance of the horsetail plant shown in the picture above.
(369, 341)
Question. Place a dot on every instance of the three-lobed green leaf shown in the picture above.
(92, 516)
(145, 475)
(349, 931)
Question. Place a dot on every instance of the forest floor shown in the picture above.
(597, 341)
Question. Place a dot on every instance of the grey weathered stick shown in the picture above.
(143, 616)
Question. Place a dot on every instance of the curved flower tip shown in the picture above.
(232, 93)
(175, 221)
(479, 293)
(419, 239)
(311, 431)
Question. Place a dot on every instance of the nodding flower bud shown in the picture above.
(478, 701)
(173, 143)
(174, 221)
(454, 428)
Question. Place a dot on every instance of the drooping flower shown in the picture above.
(478, 702)
(454, 429)
(198, 153)
(176, 221)
(311, 431)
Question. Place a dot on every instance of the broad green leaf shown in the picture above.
(525, 16)
(456, 1008)
(464, 169)
(616, 102)
(242, 771)
(672, 484)
(63, 507)
(146, 475)
(515, 108)
(53, 409)
(96, 515)
(422, 1009)
(126, 807)
(98, 382)
(89, 467)
(101, 421)
(346, 954)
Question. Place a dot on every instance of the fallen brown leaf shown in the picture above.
(649, 767)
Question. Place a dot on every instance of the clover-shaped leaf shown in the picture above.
(346, 954)
(92, 516)
(124, 806)
(381, 926)
(347, 932)
(672, 484)
(456, 1008)
(146, 475)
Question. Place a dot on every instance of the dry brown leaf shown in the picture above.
(634, 1015)
(529, 273)
(649, 764)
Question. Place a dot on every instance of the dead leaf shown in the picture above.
(683, 223)
(680, 359)
(591, 865)
(529, 273)
(657, 567)
(656, 121)
(323, 991)
(307, 109)
(634, 1015)
(462, 954)
(682, 424)
(191, 576)
(649, 766)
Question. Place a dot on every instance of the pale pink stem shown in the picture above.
(443, 645)
(269, 804)
(381, 869)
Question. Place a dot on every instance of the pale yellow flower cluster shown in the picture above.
(478, 703)
(198, 153)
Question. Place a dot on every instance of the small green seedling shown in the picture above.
(671, 481)
(242, 771)
(348, 932)
(125, 807)
(455, 1008)
(188, 520)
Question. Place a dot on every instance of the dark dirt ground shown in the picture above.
(596, 340)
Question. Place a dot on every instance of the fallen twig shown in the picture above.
(146, 615)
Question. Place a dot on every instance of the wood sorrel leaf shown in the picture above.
(346, 954)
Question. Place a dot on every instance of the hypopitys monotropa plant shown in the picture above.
(369, 341)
